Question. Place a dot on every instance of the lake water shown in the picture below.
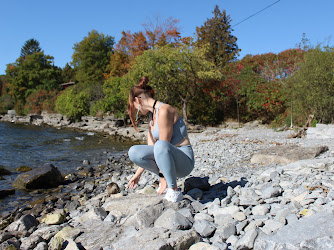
(34, 146)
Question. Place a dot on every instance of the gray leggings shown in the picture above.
(170, 160)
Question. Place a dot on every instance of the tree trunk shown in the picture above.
(184, 111)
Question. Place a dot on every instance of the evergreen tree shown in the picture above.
(68, 73)
(30, 47)
(217, 33)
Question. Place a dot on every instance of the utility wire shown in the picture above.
(256, 13)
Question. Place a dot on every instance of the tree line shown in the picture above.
(199, 75)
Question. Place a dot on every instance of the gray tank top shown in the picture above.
(179, 129)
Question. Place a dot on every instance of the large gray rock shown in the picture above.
(30, 242)
(225, 231)
(204, 228)
(287, 154)
(96, 234)
(137, 201)
(314, 232)
(146, 216)
(172, 220)
(47, 176)
(24, 223)
(154, 238)
(247, 240)
(47, 232)
(248, 197)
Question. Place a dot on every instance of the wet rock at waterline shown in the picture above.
(44, 177)
(4, 171)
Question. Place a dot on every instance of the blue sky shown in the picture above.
(57, 25)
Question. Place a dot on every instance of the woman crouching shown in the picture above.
(168, 153)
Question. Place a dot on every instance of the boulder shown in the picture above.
(23, 224)
(247, 240)
(302, 234)
(172, 220)
(285, 154)
(204, 228)
(44, 177)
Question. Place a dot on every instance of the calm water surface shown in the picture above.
(66, 149)
(34, 146)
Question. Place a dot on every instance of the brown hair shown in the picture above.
(135, 91)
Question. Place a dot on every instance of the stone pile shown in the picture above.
(230, 203)
(107, 125)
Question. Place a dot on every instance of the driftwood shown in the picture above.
(302, 131)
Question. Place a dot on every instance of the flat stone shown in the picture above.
(285, 154)
(203, 246)
(201, 216)
(271, 226)
(261, 209)
(147, 190)
(137, 201)
(153, 238)
(222, 219)
(302, 234)
(239, 216)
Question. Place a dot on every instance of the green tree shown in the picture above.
(113, 100)
(313, 85)
(35, 71)
(91, 57)
(73, 102)
(217, 32)
(30, 47)
(68, 73)
(177, 73)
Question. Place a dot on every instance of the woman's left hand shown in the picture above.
(133, 183)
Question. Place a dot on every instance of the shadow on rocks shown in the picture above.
(199, 189)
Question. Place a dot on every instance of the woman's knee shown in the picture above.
(134, 154)
(161, 147)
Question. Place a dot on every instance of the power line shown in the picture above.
(256, 13)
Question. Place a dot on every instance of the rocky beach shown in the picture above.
(252, 188)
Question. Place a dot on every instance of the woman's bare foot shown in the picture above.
(162, 186)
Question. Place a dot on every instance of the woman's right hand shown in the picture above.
(133, 183)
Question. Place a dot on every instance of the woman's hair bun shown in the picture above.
(143, 82)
